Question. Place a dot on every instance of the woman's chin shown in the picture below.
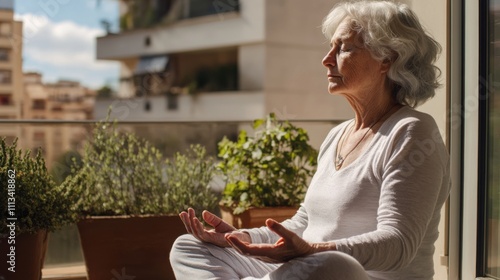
(333, 90)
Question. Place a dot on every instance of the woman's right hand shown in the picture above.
(217, 235)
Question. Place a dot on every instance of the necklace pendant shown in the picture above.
(340, 161)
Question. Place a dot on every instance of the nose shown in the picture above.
(330, 59)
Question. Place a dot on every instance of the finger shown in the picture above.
(191, 213)
(199, 229)
(185, 221)
(211, 219)
(191, 216)
(280, 229)
(232, 244)
(246, 248)
(217, 223)
(194, 224)
(264, 252)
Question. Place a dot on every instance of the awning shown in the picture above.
(151, 64)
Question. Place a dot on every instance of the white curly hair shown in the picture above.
(393, 32)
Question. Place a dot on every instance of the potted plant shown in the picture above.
(266, 174)
(130, 198)
(31, 206)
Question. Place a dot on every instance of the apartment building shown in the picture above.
(10, 68)
(63, 100)
(221, 60)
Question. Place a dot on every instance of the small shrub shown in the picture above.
(272, 168)
(122, 174)
(36, 202)
(188, 178)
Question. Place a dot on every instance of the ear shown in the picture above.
(385, 65)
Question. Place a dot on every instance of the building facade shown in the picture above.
(60, 101)
(225, 60)
(10, 68)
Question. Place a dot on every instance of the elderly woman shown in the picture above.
(373, 207)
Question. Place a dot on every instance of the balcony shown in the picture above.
(205, 32)
(214, 106)
(149, 13)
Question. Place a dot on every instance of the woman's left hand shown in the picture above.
(288, 247)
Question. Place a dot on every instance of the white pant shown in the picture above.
(192, 259)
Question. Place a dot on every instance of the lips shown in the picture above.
(329, 75)
(333, 77)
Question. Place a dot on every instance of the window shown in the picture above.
(489, 129)
(38, 104)
(5, 77)
(5, 100)
(4, 54)
(152, 75)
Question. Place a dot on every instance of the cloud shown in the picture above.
(66, 48)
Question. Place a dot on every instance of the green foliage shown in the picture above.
(36, 201)
(194, 169)
(61, 168)
(122, 174)
(272, 168)
(105, 92)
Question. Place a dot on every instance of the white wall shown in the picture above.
(435, 21)
(295, 80)
(251, 66)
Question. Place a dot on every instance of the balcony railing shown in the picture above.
(149, 13)
(61, 139)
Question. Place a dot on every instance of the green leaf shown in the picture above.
(272, 167)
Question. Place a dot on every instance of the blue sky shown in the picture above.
(59, 39)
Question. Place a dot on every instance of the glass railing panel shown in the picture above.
(60, 141)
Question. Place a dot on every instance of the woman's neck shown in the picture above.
(369, 111)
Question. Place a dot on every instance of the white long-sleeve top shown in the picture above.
(383, 208)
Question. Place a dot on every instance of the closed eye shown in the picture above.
(346, 47)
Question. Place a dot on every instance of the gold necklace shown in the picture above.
(339, 160)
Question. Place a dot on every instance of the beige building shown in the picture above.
(223, 61)
(63, 100)
(239, 60)
(10, 68)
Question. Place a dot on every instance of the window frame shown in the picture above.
(5, 76)
(470, 108)
(474, 104)
(5, 55)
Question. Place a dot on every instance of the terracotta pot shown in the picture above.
(125, 247)
(256, 217)
(29, 254)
